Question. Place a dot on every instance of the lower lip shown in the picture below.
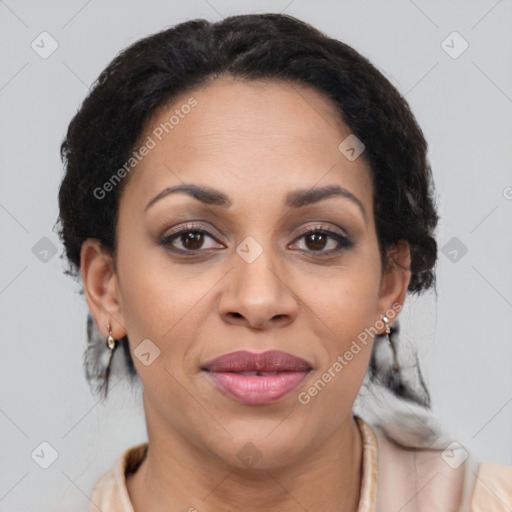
(254, 389)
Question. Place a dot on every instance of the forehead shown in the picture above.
(248, 136)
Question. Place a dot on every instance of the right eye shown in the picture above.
(191, 238)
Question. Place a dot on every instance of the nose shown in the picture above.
(257, 294)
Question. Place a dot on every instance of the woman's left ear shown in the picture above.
(395, 279)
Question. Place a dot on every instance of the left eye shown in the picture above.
(317, 240)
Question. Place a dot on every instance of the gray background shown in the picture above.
(464, 106)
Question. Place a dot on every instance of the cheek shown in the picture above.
(163, 303)
(348, 308)
(351, 295)
(157, 305)
(347, 345)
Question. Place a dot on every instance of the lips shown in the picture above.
(270, 361)
(257, 378)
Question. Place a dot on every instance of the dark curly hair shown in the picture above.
(150, 73)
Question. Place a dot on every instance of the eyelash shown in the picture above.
(343, 241)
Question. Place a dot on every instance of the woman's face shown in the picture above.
(244, 274)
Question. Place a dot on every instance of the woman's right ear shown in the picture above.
(100, 287)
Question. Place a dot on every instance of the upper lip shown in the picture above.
(269, 361)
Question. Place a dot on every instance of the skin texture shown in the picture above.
(254, 141)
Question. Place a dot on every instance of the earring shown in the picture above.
(395, 369)
(111, 344)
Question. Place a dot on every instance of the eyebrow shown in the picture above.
(295, 199)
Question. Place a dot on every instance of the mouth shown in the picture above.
(257, 378)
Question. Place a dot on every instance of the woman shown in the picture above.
(248, 204)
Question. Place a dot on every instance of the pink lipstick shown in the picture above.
(257, 378)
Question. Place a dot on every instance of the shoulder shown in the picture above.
(449, 479)
(110, 493)
(493, 488)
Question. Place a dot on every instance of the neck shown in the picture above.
(179, 476)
